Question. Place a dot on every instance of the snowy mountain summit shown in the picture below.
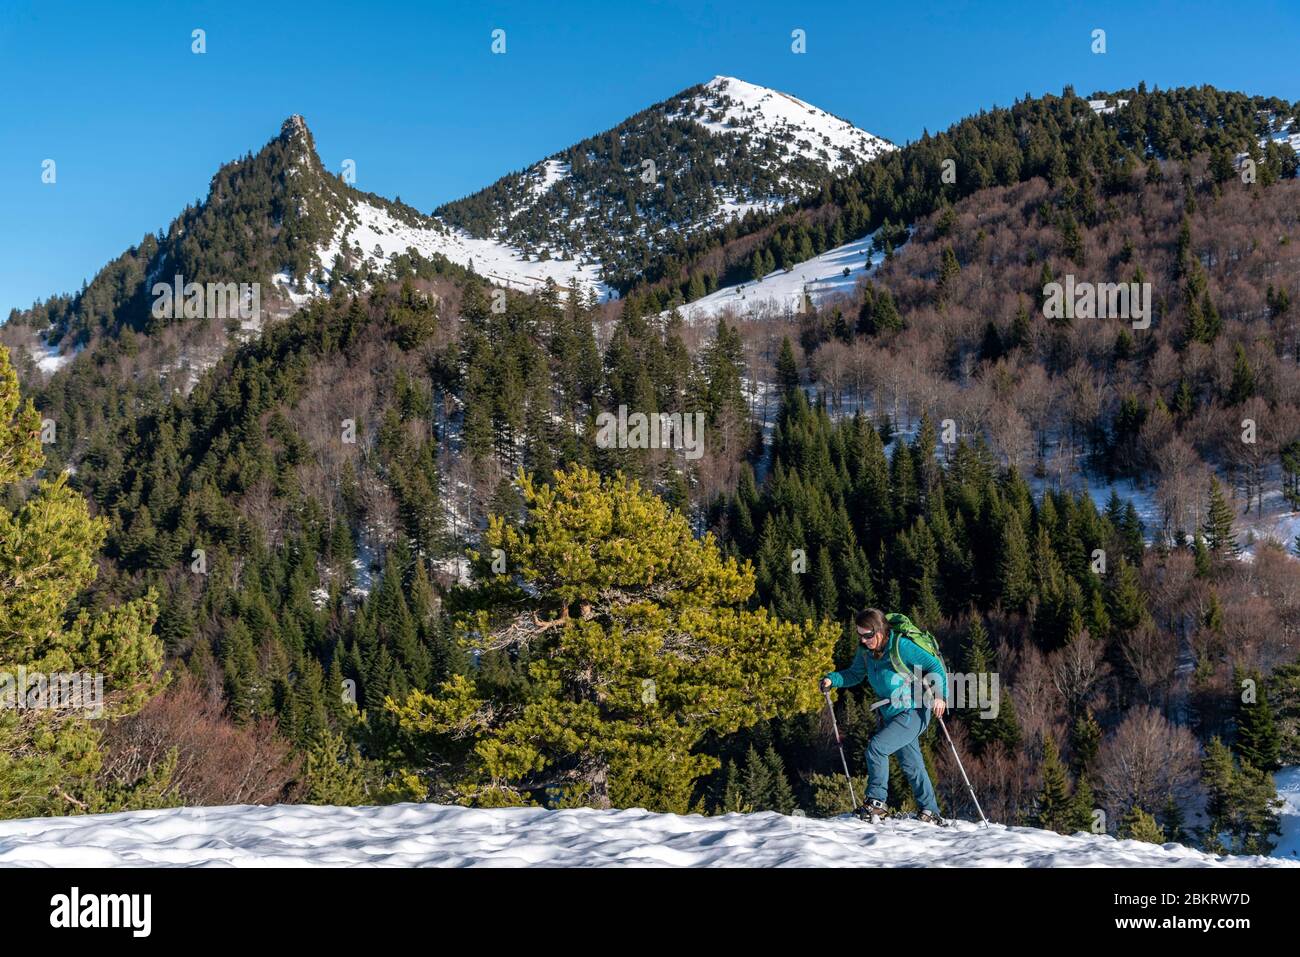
(709, 155)
(440, 836)
(727, 105)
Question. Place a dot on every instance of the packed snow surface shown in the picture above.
(436, 835)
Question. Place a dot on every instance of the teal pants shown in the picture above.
(899, 737)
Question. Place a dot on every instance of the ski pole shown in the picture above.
(840, 744)
(963, 771)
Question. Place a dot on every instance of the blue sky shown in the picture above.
(137, 123)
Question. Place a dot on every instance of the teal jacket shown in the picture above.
(888, 683)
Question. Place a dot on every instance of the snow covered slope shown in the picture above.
(435, 835)
(372, 234)
(365, 231)
(727, 104)
(782, 292)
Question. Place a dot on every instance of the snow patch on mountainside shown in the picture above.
(1284, 132)
(781, 293)
(545, 175)
(374, 234)
(1103, 107)
(729, 105)
(436, 835)
(50, 358)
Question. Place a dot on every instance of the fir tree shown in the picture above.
(1171, 820)
(1243, 378)
(1219, 536)
(1242, 804)
(1257, 736)
(333, 772)
(758, 781)
(1082, 807)
(1138, 825)
(781, 796)
(1014, 570)
(733, 794)
(1052, 809)
(787, 367)
(1085, 742)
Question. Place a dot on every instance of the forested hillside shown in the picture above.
(391, 560)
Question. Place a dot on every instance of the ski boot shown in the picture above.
(929, 817)
(873, 812)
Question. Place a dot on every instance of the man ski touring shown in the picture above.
(890, 661)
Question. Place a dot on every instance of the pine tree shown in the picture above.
(1138, 825)
(1219, 536)
(1242, 804)
(50, 758)
(887, 316)
(949, 269)
(1125, 600)
(979, 661)
(1201, 554)
(333, 772)
(758, 781)
(1171, 820)
(614, 595)
(1243, 378)
(733, 793)
(1015, 583)
(826, 594)
(787, 367)
(1082, 806)
(1085, 742)
(1257, 741)
(1052, 807)
(782, 797)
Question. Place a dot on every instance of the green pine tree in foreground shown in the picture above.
(50, 756)
(637, 646)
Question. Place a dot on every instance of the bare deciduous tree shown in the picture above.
(1145, 761)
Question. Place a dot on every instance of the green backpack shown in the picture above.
(900, 624)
